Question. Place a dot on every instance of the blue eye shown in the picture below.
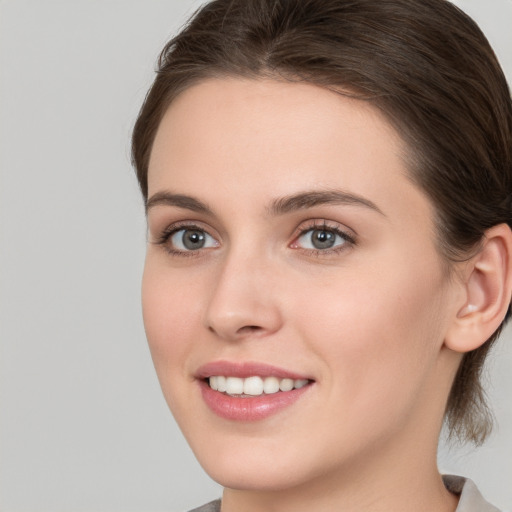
(191, 239)
(324, 238)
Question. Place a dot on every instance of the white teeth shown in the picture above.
(221, 383)
(214, 383)
(286, 385)
(234, 386)
(254, 386)
(271, 385)
(300, 383)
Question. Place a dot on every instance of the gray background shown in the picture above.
(83, 423)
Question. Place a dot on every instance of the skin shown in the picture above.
(366, 320)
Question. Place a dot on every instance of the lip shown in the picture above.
(248, 409)
(246, 369)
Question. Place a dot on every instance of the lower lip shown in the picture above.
(250, 408)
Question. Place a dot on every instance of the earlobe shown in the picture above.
(488, 288)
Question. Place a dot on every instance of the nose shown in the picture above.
(244, 301)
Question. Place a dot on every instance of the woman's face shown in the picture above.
(287, 247)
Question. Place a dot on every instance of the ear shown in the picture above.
(487, 284)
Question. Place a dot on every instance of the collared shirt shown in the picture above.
(470, 498)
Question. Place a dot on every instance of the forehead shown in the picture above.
(266, 137)
(261, 111)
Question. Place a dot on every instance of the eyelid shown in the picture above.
(322, 224)
(179, 245)
(172, 227)
(163, 237)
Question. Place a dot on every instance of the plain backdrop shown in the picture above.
(83, 424)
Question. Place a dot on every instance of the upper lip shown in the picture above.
(246, 369)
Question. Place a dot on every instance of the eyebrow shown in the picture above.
(309, 199)
(280, 206)
(178, 200)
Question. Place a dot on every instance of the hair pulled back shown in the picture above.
(424, 63)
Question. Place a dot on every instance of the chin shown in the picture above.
(245, 476)
(266, 464)
(249, 464)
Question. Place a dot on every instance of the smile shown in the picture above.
(248, 391)
(254, 386)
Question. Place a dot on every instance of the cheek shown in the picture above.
(170, 311)
(377, 334)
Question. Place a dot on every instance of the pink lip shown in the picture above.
(247, 408)
(246, 369)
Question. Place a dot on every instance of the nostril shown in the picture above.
(246, 329)
(249, 328)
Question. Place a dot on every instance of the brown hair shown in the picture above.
(423, 63)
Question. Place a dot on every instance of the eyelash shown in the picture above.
(167, 233)
(349, 239)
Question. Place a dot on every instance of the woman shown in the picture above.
(328, 192)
